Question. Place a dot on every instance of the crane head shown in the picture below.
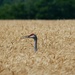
(30, 36)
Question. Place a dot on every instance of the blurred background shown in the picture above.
(37, 9)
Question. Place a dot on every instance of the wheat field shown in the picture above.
(56, 47)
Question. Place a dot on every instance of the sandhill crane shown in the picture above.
(35, 40)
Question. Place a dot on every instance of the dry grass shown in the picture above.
(56, 47)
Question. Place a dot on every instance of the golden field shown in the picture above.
(56, 47)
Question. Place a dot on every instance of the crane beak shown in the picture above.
(23, 37)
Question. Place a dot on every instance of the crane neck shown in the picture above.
(35, 44)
